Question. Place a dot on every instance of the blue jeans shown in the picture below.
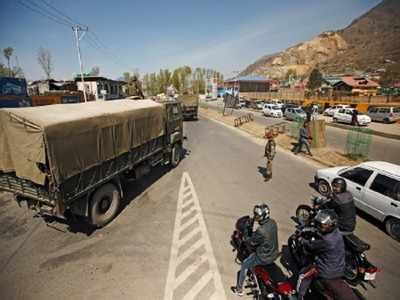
(300, 146)
(249, 263)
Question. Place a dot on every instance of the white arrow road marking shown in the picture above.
(189, 212)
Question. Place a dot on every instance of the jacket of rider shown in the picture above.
(329, 254)
(344, 206)
(265, 241)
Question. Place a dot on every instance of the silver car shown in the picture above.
(386, 114)
(294, 113)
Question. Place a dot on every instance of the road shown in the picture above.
(172, 237)
(380, 148)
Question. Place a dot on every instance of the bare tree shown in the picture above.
(7, 54)
(44, 59)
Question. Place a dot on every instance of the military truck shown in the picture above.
(190, 106)
(74, 159)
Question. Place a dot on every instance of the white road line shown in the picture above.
(190, 270)
(187, 237)
(198, 286)
(176, 257)
(189, 251)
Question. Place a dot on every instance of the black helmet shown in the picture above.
(341, 183)
(326, 220)
(261, 212)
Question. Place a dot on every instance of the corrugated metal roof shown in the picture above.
(248, 78)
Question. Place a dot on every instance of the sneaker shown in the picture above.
(237, 291)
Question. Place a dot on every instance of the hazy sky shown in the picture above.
(149, 35)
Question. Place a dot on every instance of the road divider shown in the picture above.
(249, 117)
(193, 271)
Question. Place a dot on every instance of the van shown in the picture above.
(386, 114)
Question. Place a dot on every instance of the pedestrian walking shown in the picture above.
(354, 119)
(269, 153)
(304, 136)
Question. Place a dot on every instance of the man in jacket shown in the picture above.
(303, 139)
(265, 242)
(329, 255)
(342, 202)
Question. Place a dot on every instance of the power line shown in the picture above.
(56, 15)
(46, 15)
(65, 16)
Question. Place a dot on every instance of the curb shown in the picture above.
(347, 127)
(374, 132)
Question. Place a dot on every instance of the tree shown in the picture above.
(7, 54)
(291, 74)
(44, 60)
(315, 80)
(95, 71)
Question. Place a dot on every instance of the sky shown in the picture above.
(146, 36)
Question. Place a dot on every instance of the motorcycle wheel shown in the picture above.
(303, 213)
(351, 274)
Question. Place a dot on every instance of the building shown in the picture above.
(248, 84)
(356, 86)
(41, 87)
(100, 88)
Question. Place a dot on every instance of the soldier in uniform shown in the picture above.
(269, 153)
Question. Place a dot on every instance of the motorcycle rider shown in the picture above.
(265, 242)
(342, 203)
(329, 258)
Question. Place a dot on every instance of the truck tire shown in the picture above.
(176, 154)
(104, 205)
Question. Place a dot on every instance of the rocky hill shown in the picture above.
(370, 42)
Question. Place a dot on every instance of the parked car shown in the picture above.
(277, 102)
(344, 115)
(387, 114)
(272, 111)
(259, 105)
(330, 111)
(241, 104)
(375, 186)
(288, 105)
(295, 113)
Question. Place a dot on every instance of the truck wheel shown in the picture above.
(104, 205)
(393, 228)
(176, 155)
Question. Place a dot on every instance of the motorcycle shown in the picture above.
(264, 282)
(359, 270)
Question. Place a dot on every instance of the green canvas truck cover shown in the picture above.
(189, 100)
(75, 137)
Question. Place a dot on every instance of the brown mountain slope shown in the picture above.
(367, 44)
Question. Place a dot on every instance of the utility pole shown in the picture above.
(77, 30)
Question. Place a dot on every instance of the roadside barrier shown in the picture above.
(243, 119)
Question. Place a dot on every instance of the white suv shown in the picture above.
(375, 187)
(272, 110)
(330, 111)
(345, 115)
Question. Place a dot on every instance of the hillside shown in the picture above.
(370, 42)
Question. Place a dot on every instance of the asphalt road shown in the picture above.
(380, 148)
(172, 238)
